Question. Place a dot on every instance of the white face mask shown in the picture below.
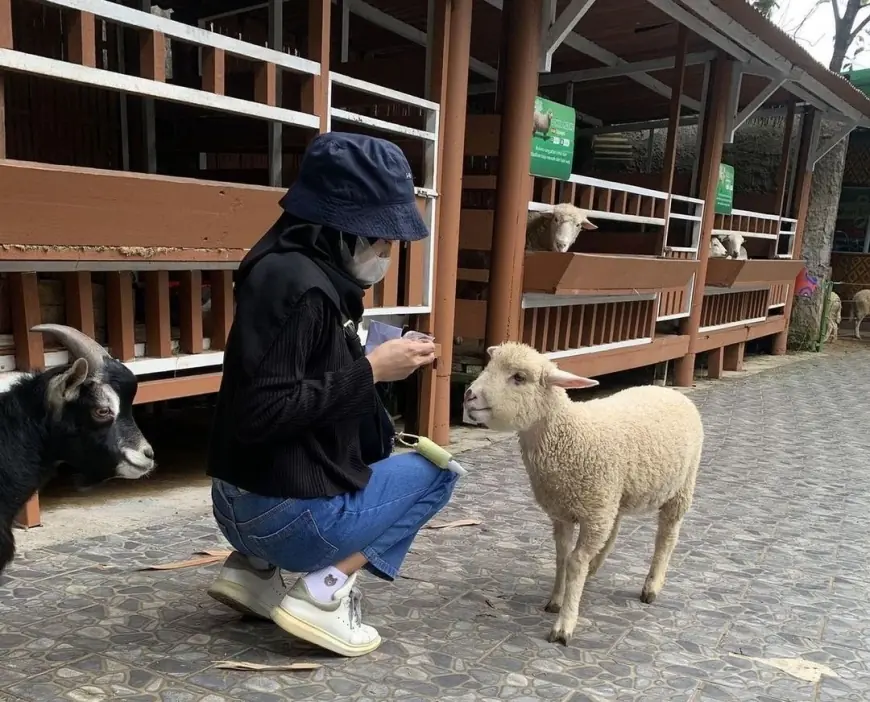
(366, 264)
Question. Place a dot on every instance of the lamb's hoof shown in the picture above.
(553, 607)
(648, 596)
(557, 635)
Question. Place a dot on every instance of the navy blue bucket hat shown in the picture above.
(359, 185)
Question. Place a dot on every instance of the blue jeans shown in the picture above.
(381, 520)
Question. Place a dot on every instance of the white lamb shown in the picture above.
(556, 230)
(591, 463)
(860, 309)
(728, 246)
(835, 316)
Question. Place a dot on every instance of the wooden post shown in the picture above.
(82, 39)
(522, 20)
(29, 352)
(782, 172)
(714, 133)
(158, 340)
(191, 312)
(214, 70)
(221, 308)
(733, 358)
(276, 129)
(79, 295)
(120, 313)
(315, 90)
(456, 15)
(5, 43)
(715, 360)
(670, 155)
(810, 123)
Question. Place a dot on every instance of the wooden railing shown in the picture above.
(779, 231)
(414, 294)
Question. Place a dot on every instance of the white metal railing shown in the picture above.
(22, 62)
(429, 136)
(693, 212)
(787, 232)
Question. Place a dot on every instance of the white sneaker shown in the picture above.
(246, 589)
(336, 626)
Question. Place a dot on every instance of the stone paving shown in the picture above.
(774, 563)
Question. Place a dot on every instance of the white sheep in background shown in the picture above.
(728, 246)
(860, 309)
(835, 316)
(541, 122)
(590, 463)
(556, 230)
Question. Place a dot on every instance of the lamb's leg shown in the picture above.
(598, 561)
(563, 535)
(858, 321)
(589, 544)
(670, 518)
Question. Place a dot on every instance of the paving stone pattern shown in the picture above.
(773, 562)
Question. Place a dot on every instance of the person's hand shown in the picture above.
(396, 359)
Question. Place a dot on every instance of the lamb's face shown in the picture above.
(568, 221)
(732, 244)
(517, 388)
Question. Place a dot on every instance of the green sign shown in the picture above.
(725, 189)
(552, 140)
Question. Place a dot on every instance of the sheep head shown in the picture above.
(566, 224)
(90, 410)
(518, 388)
(732, 244)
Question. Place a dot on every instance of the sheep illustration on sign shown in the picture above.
(552, 140)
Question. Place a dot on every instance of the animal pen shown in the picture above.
(143, 150)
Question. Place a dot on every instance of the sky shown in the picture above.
(816, 34)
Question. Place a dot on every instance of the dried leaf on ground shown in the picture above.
(455, 524)
(241, 665)
(201, 558)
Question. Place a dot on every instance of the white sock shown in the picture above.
(323, 584)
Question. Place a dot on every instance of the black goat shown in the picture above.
(76, 418)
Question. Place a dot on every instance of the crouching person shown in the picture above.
(303, 479)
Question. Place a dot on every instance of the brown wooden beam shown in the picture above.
(191, 312)
(315, 89)
(714, 134)
(158, 338)
(64, 206)
(5, 43)
(214, 70)
(120, 311)
(679, 76)
(266, 84)
(24, 306)
(523, 20)
(782, 171)
(221, 308)
(803, 184)
(152, 55)
(81, 36)
(79, 295)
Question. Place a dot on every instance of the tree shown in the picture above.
(765, 7)
(851, 18)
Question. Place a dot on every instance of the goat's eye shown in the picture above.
(102, 414)
(519, 378)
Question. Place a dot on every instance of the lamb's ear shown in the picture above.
(65, 387)
(564, 379)
(491, 350)
(588, 225)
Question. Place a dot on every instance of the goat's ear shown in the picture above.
(588, 225)
(65, 387)
(564, 379)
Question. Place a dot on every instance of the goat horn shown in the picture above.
(79, 345)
